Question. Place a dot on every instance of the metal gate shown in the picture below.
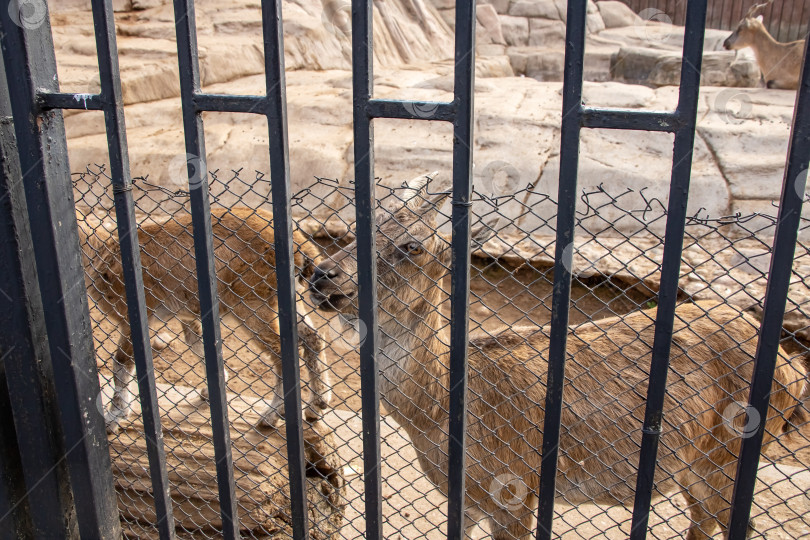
(60, 459)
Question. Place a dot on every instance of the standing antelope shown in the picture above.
(780, 63)
(604, 393)
(245, 265)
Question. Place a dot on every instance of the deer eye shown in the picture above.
(413, 248)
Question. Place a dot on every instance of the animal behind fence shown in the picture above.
(607, 366)
(780, 63)
(604, 396)
(246, 279)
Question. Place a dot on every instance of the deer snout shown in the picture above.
(729, 43)
(329, 287)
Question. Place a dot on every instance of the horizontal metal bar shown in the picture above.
(594, 117)
(411, 110)
(228, 103)
(67, 100)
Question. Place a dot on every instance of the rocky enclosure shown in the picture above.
(740, 147)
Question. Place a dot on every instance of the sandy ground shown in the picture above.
(503, 295)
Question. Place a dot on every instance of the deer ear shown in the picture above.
(759, 18)
(414, 187)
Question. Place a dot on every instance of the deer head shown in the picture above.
(748, 28)
(412, 257)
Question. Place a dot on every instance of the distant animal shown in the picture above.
(604, 392)
(245, 266)
(780, 63)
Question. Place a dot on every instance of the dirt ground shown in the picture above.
(502, 295)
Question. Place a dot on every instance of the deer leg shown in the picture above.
(514, 520)
(192, 334)
(709, 498)
(123, 376)
(273, 414)
(311, 348)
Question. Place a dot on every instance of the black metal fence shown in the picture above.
(503, 423)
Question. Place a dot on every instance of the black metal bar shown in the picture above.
(365, 206)
(15, 511)
(24, 354)
(204, 253)
(285, 271)
(628, 119)
(563, 257)
(787, 225)
(460, 265)
(671, 263)
(412, 110)
(233, 104)
(109, 73)
(29, 61)
(60, 100)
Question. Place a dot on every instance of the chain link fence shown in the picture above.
(616, 261)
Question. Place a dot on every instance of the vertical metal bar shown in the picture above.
(671, 263)
(363, 87)
(24, 352)
(131, 260)
(784, 245)
(285, 271)
(30, 63)
(15, 511)
(563, 257)
(204, 253)
(460, 266)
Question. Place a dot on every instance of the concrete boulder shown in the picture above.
(655, 67)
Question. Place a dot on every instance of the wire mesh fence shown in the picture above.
(616, 261)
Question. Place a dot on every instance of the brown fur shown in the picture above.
(246, 282)
(604, 394)
(780, 63)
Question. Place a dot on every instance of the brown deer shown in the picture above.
(246, 276)
(780, 63)
(604, 394)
